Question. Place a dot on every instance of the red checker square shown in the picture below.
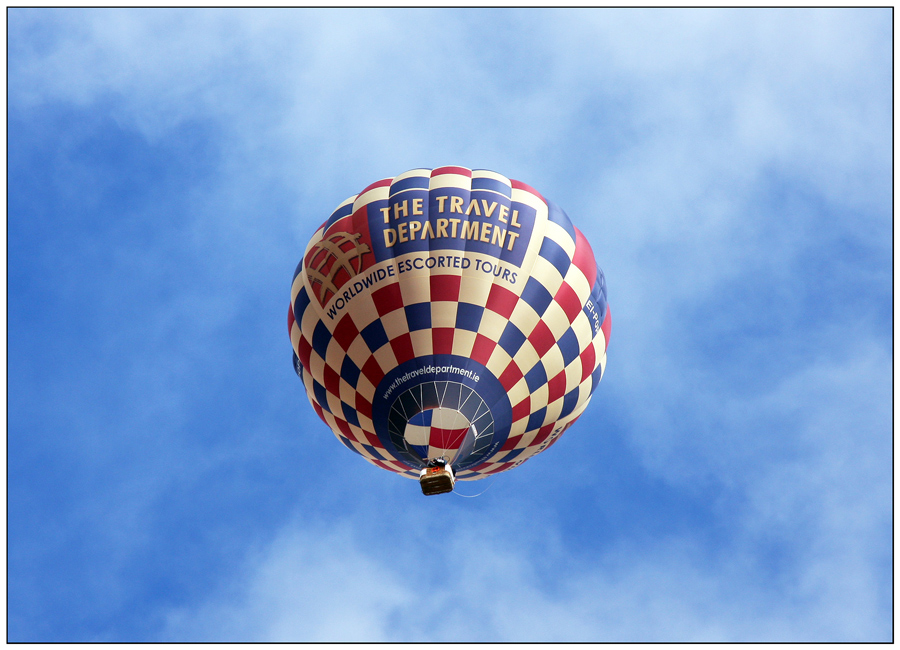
(384, 182)
(511, 376)
(588, 359)
(403, 348)
(462, 171)
(542, 434)
(359, 223)
(291, 320)
(445, 287)
(372, 371)
(442, 340)
(502, 301)
(478, 468)
(541, 338)
(332, 381)
(510, 443)
(567, 299)
(387, 299)
(584, 258)
(564, 429)
(499, 468)
(383, 465)
(482, 349)
(315, 255)
(557, 387)
(606, 326)
(344, 427)
(522, 409)
(340, 277)
(363, 406)
(305, 350)
(553, 442)
(373, 439)
(446, 438)
(519, 185)
(319, 412)
(345, 332)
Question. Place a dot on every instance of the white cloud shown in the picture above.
(310, 585)
(723, 92)
(488, 583)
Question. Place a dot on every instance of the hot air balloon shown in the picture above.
(448, 324)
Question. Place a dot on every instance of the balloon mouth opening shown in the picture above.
(440, 420)
(436, 433)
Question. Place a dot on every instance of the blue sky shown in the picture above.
(731, 479)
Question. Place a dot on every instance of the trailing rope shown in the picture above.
(472, 496)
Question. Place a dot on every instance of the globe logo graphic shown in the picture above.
(340, 251)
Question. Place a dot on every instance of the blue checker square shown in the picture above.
(350, 414)
(536, 377)
(348, 445)
(598, 302)
(374, 335)
(511, 339)
(536, 295)
(491, 184)
(410, 183)
(321, 338)
(349, 371)
(558, 216)
(418, 316)
(600, 286)
(595, 377)
(536, 419)
(510, 456)
(321, 395)
(422, 419)
(569, 402)
(377, 453)
(301, 302)
(554, 253)
(568, 345)
(468, 316)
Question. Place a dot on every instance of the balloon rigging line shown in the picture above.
(472, 496)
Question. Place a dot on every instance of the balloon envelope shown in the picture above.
(449, 313)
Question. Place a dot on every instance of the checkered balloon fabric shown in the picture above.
(449, 313)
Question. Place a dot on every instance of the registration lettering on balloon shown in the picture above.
(449, 314)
